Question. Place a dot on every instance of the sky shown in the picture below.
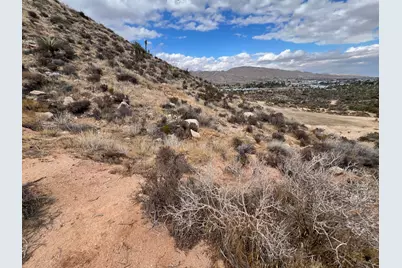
(322, 36)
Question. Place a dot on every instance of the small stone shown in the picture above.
(195, 134)
(124, 109)
(53, 74)
(248, 114)
(192, 124)
(195, 121)
(336, 170)
(44, 116)
(219, 264)
(68, 100)
(37, 92)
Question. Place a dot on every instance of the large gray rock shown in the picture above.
(124, 109)
(68, 100)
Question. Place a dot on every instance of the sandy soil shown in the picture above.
(99, 225)
(351, 127)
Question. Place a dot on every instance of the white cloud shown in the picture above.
(326, 22)
(135, 33)
(240, 35)
(355, 60)
(244, 21)
(182, 37)
(317, 21)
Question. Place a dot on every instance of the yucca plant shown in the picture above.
(48, 44)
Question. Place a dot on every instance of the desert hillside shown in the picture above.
(131, 162)
(248, 74)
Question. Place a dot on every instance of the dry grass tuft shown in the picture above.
(35, 214)
(101, 147)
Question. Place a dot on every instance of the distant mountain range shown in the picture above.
(248, 74)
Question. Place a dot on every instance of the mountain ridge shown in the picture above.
(247, 74)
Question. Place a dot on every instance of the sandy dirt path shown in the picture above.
(351, 127)
(99, 225)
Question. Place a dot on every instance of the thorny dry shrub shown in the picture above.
(278, 151)
(35, 214)
(345, 154)
(307, 217)
(94, 73)
(277, 119)
(278, 136)
(243, 151)
(127, 77)
(160, 191)
(79, 107)
(370, 137)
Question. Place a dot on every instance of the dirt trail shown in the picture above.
(351, 127)
(98, 225)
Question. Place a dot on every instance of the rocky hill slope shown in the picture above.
(256, 74)
(65, 52)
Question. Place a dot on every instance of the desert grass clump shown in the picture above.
(34, 105)
(29, 120)
(101, 147)
(65, 122)
(35, 205)
(172, 141)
